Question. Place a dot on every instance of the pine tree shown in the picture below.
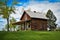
(51, 20)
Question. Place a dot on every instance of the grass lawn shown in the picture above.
(30, 35)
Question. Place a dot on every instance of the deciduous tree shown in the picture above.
(6, 9)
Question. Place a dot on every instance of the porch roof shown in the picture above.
(20, 22)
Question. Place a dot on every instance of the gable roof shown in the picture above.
(34, 14)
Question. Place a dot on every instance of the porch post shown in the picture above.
(21, 26)
(30, 25)
(24, 26)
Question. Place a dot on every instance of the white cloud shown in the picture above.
(44, 6)
(18, 12)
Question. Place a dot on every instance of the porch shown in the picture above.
(24, 25)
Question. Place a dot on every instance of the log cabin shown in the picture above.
(32, 20)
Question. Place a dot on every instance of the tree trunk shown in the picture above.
(8, 24)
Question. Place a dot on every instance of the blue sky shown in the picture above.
(27, 1)
(35, 5)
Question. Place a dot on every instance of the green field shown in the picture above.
(30, 35)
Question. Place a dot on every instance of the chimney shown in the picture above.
(34, 11)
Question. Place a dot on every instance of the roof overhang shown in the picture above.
(20, 22)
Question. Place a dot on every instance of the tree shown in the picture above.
(10, 24)
(11, 21)
(51, 20)
(6, 10)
